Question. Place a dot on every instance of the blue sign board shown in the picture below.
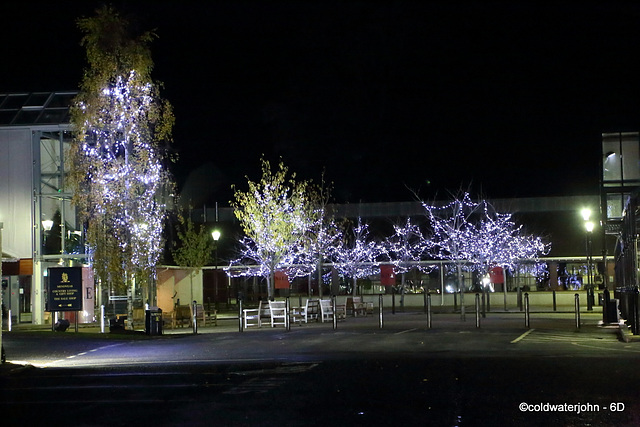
(65, 289)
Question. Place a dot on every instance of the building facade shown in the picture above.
(41, 227)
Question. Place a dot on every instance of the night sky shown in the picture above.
(507, 99)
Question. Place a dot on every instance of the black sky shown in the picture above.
(508, 97)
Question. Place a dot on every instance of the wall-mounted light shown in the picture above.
(47, 224)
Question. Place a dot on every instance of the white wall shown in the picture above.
(174, 284)
(15, 191)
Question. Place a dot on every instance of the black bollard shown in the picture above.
(577, 297)
(477, 310)
(428, 310)
(527, 320)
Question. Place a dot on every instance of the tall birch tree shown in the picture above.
(118, 158)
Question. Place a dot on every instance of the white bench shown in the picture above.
(326, 310)
(278, 313)
(253, 316)
(310, 311)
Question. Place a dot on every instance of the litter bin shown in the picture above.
(153, 321)
(61, 325)
(628, 305)
(613, 312)
(116, 324)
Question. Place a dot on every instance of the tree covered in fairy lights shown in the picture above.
(275, 215)
(451, 227)
(405, 248)
(474, 235)
(357, 255)
(118, 158)
(496, 240)
(324, 234)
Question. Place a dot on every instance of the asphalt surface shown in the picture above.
(356, 374)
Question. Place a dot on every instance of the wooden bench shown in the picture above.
(356, 306)
(202, 317)
(180, 316)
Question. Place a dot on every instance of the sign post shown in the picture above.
(65, 290)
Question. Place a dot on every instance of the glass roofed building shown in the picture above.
(41, 229)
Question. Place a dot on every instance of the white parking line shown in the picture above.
(522, 336)
(404, 332)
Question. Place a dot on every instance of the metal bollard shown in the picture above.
(393, 301)
(425, 301)
(380, 307)
(9, 325)
(240, 314)
(194, 317)
(554, 300)
(333, 308)
(477, 310)
(429, 317)
(577, 297)
(287, 320)
(527, 320)
(484, 303)
(102, 319)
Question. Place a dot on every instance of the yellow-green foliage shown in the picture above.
(195, 245)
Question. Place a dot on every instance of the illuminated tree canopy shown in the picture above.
(358, 255)
(118, 159)
(472, 234)
(276, 217)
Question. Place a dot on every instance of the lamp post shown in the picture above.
(216, 235)
(589, 225)
(47, 225)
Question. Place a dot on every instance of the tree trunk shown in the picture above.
(130, 293)
(271, 285)
(402, 292)
(461, 289)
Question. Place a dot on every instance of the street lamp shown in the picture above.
(588, 226)
(216, 235)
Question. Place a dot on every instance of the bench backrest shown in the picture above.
(182, 311)
(325, 306)
(352, 301)
(263, 309)
(277, 306)
(199, 310)
(312, 307)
